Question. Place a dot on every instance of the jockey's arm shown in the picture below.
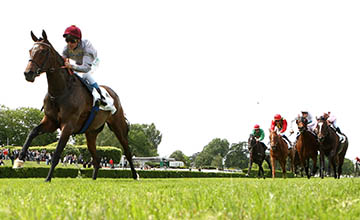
(284, 126)
(85, 66)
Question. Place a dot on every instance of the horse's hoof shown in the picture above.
(247, 175)
(18, 164)
(47, 181)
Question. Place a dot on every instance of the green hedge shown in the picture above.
(41, 172)
(37, 172)
(102, 151)
(278, 173)
(111, 173)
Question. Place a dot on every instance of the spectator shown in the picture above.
(111, 163)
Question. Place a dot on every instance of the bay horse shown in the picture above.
(67, 106)
(307, 147)
(257, 154)
(331, 147)
(278, 151)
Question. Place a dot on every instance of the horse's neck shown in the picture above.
(58, 80)
(58, 84)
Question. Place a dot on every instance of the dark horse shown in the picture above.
(307, 146)
(331, 147)
(67, 106)
(257, 155)
(278, 151)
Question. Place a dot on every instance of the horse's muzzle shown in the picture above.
(30, 76)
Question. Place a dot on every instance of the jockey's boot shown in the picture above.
(341, 135)
(102, 98)
(287, 139)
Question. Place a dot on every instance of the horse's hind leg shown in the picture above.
(120, 129)
(91, 143)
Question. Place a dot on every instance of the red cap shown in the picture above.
(256, 127)
(73, 31)
(277, 117)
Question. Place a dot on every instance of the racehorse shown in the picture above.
(307, 146)
(257, 155)
(67, 106)
(278, 151)
(331, 147)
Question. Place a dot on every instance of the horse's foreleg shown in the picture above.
(332, 160)
(91, 143)
(273, 166)
(322, 164)
(314, 169)
(283, 167)
(250, 166)
(261, 170)
(267, 159)
(64, 137)
(307, 162)
(46, 126)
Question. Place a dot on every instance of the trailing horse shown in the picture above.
(331, 147)
(307, 146)
(67, 106)
(278, 151)
(257, 155)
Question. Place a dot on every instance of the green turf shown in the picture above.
(201, 198)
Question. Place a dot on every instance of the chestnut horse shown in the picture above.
(331, 147)
(257, 155)
(67, 106)
(278, 151)
(307, 146)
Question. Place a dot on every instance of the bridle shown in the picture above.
(40, 68)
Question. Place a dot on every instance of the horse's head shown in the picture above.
(302, 124)
(39, 57)
(274, 139)
(251, 142)
(322, 128)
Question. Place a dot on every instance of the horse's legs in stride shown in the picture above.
(121, 134)
(261, 170)
(250, 166)
(64, 137)
(273, 162)
(283, 167)
(44, 127)
(314, 169)
(267, 159)
(91, 143)
(322, 164)
(307, 162)
(332, 159)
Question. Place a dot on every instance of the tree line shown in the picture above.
(144, 139)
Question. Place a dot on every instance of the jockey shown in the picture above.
(311, 123)
(331, 120)
(84, 55)
(258, 133)
(281, 124)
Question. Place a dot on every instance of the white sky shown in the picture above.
(198, 68)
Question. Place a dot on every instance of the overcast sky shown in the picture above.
(201, 70)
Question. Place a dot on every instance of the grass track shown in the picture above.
(199, 198)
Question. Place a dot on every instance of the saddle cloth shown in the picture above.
(108, 99)
(96, 96)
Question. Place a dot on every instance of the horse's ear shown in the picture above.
(34, 37)
(44, 35)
